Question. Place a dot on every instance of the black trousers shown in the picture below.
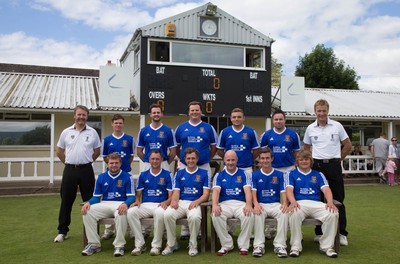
(333, 174)
(74, 177)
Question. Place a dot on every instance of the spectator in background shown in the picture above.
(390, 170)
(395, 153)
(379, 152)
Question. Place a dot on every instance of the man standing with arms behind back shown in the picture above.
(284, 143)
(326, 137)
(78, 146)
(156, 136)
(240, 138)
(198, 135)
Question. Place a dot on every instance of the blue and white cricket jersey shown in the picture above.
(232, 185)
(306, 186)
(268, 186)
(161, 138)
(114, 187)
(282, 146)
(123, 146)
(242, 142)
(199, 137)
(191, 184)
(154, 187)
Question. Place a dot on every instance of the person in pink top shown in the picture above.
(390, 169)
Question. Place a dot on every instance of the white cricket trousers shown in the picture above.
(147, 210)
(105, 209)
(316, 210)
(233, 209)
(194, 220)
(271, 210)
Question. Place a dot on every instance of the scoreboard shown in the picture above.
(219, 90)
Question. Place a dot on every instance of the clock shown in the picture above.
(209, 27)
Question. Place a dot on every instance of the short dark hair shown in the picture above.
(154, 105)
(190, 151)
(266, 150)
(237, 110)
(116, 117)
(279, 111)
(84, 108)
(195, 103)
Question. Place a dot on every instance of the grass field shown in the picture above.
(29, 223)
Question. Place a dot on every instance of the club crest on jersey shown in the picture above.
(124, 143)
(201, 129)
(87, 138)
(244, 136)
(198, 178)
(287, 138)
(314, 179)
(274, 180)
(239, 179)
(162, 181)
(72, 136)
(119, 183)
(161, 134)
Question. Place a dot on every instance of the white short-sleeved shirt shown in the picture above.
(79, 145)
(325, 140)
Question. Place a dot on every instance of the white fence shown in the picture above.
(362, 164)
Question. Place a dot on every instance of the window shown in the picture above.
(214, 55)
(218, 123)
(207, 54)
(24, 133)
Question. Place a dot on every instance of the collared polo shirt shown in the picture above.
(326, 140)
(79, 145)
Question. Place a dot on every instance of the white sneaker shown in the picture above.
(329, 252)
(294, 253)
(119, 251)
(343, 240)
(169, 250)
(258, 252)
(90, 249)
(317, 238)
(155, 251)
(60, 238)
(137, 251)
(280, 252)
(192, 250)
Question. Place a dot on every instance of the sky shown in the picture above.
(365, 34)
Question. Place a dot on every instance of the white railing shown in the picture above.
(361, 164)
(357, 164)
(14, 169)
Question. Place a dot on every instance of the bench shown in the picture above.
(149, 221)
(273, 222)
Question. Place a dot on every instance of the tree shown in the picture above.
(321, 69)
(276, 72)
(37, 136)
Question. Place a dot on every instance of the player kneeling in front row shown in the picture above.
(191, 188)
(268, 189)
(154, 186)
(303, 191)
(116, 187)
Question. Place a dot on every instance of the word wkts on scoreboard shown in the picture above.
(219, 90)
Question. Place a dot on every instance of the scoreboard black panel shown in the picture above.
(219, 90)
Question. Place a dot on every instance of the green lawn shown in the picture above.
(29, 223)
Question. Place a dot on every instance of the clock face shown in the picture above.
(209, 27)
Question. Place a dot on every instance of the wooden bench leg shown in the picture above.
(203, 229)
